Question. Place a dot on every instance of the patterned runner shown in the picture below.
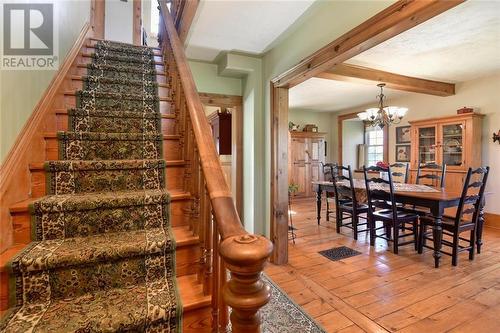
(103, 255)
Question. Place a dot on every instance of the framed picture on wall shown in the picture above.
(403, 153)
(403, 134)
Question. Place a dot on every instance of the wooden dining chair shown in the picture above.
(400, 172)
(380, 193)
(329, 172)
(347, 206)
(466, 217)
(431, 172)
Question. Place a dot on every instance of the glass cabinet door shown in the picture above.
(426, 144)
(452, 144)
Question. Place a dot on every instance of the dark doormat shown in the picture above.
(338, 253)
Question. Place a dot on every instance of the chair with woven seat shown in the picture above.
(383, 208)
(465, 219)
(431, 172)
(346, 203)
(400, 172)
(329, 172)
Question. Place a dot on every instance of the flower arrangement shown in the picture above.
(383, 165)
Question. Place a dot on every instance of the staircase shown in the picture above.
(110, 212)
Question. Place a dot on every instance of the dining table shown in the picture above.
(435, 199)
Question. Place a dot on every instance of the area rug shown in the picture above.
(339, 253)
(282, 315)
(103, 253)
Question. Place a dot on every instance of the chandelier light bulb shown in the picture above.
(382, 115)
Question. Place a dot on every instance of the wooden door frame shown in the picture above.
(97, 14)
(137, 22)
(395, 19)
(340, 121)
(236, 102)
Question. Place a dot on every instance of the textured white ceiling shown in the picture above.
(329, 95)
(461, 44)
(240, 25)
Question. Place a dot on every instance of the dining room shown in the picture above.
(393, 217)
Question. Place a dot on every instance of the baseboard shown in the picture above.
(492, 220)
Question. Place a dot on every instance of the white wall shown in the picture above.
(483, 95)
(353, 133)
(118, 20)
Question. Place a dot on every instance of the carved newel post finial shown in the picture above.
(245, 292)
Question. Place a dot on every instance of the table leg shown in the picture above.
(318, 203)
(479, 229)
(437, 235)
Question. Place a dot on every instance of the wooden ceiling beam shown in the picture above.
(364, 75)
(395, 19)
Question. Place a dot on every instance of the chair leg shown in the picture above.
(454, 253)
(355, 221)
(471, 244)
(421, 235)
(415, 234)
(338, 217)
(327, 210)
(395, 240)
(387, 230)
(372, 225)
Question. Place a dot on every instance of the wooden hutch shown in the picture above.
(453, 140)
(306, 153)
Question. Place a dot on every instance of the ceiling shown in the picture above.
(329, 95)
(459, 45)
(248, 26)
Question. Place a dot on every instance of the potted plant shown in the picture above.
(384, 174)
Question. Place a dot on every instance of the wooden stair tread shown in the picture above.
(113, 41)
(40, 165)
(73, 93)
(22, 206)
(184, 236)
(89, 55)
(51, 135)
(163, 115)
(6, 255)
(191, 293)
(80, 78)
(81, 65)
(156, 51)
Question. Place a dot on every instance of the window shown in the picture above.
(375, 145)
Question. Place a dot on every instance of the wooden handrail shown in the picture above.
(243, 254)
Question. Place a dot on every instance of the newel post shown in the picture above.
(245, 292)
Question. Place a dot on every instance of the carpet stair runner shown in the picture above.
(103, 259)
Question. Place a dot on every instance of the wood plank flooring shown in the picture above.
(378, 291)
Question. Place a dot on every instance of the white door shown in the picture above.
(118, 20)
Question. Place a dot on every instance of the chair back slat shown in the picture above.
(379, 190)
(472, 194)
(343, 191)
(440, 176)
(400, 172)
(329, 171)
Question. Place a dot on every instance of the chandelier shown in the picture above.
(382, 115)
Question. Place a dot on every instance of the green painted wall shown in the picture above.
(20, 91)
(208, 80)
(322, 23)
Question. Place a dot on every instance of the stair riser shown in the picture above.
(21, 221)
(70, 102)
(174, 178)
(88, 60)
(167, 124)
(171, 148)
(77, 84)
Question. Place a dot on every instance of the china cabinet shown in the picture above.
(305, 158)
(454, 141)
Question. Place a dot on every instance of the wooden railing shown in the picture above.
(226, 245)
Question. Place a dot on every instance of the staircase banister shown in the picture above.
(245, 254)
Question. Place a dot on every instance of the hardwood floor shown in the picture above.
(378, 291)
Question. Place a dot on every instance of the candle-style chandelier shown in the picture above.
(382, 115)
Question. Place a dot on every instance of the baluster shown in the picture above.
(215, 277)
(223, 309)
(202, 229)
(208, 245)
